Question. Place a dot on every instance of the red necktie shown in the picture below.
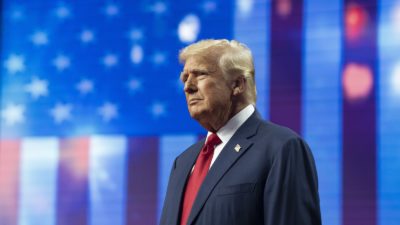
(199, 173)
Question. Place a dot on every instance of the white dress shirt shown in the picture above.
(226, 132)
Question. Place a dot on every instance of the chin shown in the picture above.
(196, 114)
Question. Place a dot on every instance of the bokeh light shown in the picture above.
(245, 7)
(356, 20)
(396, 18)
(189, 28)
(284, 8)
(395, 80)
(357, 81)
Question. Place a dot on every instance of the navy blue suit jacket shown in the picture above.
(272, 180)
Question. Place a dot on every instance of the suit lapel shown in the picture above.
(185, 165)
(225, 160)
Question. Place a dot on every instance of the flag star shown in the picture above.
(158, 109)
(136, 54)
(111, 10)
(134, 85)
(61, 112)
(15, 64)
(108, 111)
(13, 114)
(110, 60)
(209, 6)
(61, 62)
(39, 38)
(62, 12)
(159, 8)
(135, 35)
(85, 86)
(159, 58)
(87, 36)
(37, 88)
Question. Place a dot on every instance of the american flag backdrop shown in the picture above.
(93, 113)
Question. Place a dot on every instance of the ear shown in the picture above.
(239, 85)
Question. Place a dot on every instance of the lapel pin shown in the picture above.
(237, 148)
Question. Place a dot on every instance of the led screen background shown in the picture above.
(93, 113)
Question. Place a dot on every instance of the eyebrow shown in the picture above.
(194, 71)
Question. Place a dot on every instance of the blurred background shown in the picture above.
(93, 113)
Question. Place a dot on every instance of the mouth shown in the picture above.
(194, 101)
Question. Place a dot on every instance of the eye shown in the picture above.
(202, 74)
(184, 77)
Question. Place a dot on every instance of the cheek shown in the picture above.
(222, 93)
(213, 93)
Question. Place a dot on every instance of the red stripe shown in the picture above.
(286, 63)
(359, 113)
(9, 181)
(142, 181)
(72, 203)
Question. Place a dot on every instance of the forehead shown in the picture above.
(200, 62)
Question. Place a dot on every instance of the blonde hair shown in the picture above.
(232, 57)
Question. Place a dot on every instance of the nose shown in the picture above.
(190, 85)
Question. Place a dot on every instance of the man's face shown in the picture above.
(208, 92)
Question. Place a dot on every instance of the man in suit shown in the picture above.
(246, 171)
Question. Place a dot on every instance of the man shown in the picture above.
(247, 171)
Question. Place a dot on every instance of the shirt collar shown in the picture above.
(229, 129)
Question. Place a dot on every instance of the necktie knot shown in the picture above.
(212, 141)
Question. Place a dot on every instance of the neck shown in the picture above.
(215, 123)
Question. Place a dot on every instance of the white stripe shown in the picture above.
(321, 105)
(388, 105)
(251, 26)
(170, 148)
(38, 181)
(107, 180)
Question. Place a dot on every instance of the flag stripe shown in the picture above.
(142, 181)
(323, 26)
(245, 26)
(285, 72)
(107, 180)
(388, 116)
(359, 117)
(72, 202)
(9, 181)
(170, 147)
(120, 180)
(38, 185)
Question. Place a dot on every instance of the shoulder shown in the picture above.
(277, 133)
(279, 140)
